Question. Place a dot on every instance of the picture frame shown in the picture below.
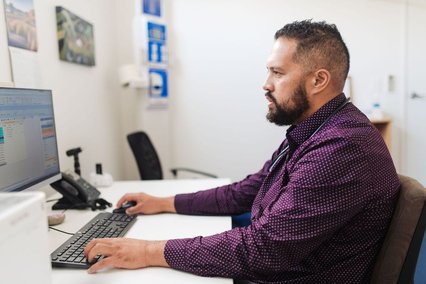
(21, 24)
(76, 40)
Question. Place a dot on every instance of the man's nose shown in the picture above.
(267, 86)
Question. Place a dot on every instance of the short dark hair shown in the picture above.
(319, 45)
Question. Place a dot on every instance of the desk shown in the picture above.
(153, 227)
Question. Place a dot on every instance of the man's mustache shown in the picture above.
(269, 95)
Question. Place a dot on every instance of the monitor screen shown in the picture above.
(28, 146)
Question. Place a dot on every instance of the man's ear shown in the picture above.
(318, 81)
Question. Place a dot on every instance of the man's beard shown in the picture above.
(288, 115)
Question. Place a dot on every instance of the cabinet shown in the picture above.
(384, 126)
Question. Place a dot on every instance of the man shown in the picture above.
(320, 206)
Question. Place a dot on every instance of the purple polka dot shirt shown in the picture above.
(319, 215)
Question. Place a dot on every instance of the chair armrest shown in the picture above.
(176, 170)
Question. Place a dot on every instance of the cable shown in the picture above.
(51, 200)
(61, 231)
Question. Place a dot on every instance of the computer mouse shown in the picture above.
(124, 207)
(55, 219)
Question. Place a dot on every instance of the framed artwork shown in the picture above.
(21, 24)
(75, 38)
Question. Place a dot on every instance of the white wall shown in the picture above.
(220, 49)
(85, 98)
(91, 109)
(135, 114)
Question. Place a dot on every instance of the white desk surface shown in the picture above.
(154, 227)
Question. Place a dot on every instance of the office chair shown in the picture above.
(150, 168)
(397, 259)
(147, 160)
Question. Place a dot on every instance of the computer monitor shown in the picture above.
(28, 147)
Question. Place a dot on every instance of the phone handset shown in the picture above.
(86, 191)
(77, 193)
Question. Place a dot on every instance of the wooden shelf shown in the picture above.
(384, 126)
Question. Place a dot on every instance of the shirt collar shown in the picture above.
(297, 134)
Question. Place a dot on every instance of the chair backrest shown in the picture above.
(146, 157)
(397, 258)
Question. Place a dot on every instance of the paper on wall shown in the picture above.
(25, 68)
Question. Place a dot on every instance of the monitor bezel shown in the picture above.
(48, 179)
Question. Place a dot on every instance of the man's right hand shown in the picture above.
(148, 204)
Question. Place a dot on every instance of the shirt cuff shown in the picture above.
(183, 203)
(174, 253)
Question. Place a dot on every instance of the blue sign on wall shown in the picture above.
(156, 31)
(158, 83)
(152, 7)
(156, 43)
